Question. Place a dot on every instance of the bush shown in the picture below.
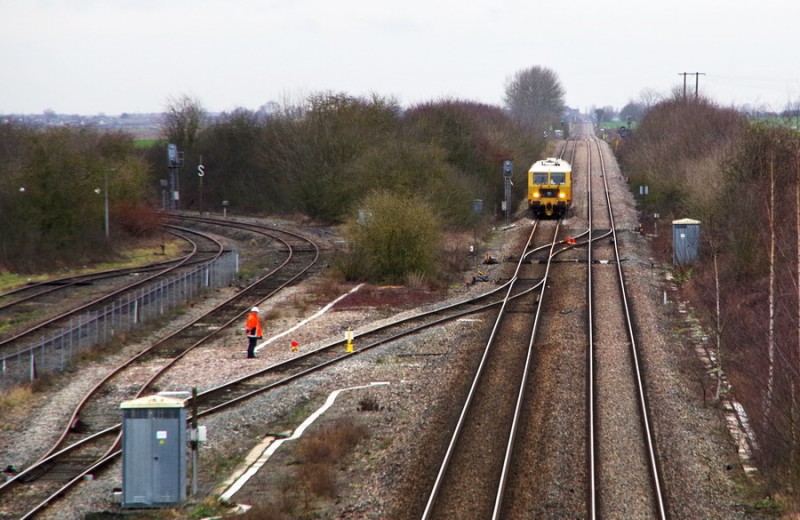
(52, 185)
(332, 443)
(397, 236)
(678, 150)
(138, 221)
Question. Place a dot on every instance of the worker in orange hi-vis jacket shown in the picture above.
(253, 331)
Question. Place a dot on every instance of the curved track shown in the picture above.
(620, 456)
(91, 436)
(204, 248)
(232, 393)
(599, 502)
(473, 473)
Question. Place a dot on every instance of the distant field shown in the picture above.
(614, 125)
(787, 121)
(144, 252)
(144, 143)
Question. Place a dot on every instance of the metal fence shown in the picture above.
(96, 327)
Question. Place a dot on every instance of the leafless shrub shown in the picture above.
(329, 287)
(331, 443)
(369, 404)
(272, 314)
(415, 280)
(318, 479)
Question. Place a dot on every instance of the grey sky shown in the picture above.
(113, 56)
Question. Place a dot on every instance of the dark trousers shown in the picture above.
(251, 347)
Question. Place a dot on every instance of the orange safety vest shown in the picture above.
(253, 323)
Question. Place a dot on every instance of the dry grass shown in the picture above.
(14, 397)
(318, 479)
(133, 253)
(369, 404)
(14, 402)
(457, 256)
(329, 287)
(389, 296)
(272, 314)
(416, 280)
(314, 480)
(331, 443)
(268, 512)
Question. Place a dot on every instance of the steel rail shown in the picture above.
(52, 285)
(208, 395)
(232, 401)
(634, 351)
(52, 453)
(441, 475)
(205, 395)
(284, 365)
(507, 462)
(69, 485)
(116, 293)
(174, 360)
(590, 365)
(74, 418)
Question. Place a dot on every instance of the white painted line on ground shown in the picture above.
(315, 316)
(273, 446)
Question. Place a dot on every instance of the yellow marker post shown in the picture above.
(349, 337)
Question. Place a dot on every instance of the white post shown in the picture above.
(105, 201)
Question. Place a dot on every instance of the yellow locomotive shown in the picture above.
(550, 187)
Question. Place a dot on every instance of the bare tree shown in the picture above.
(649, 98)
(634, 111)
(183, 119)
(535, 97)
(599, 115)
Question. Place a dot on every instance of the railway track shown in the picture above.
(217, 399)
(471, 479)
(232, 393)
(210, 400)
(613, 470)
(28, 293)
(71, 298)
(482, 460)
(623, 466)
(91, 437)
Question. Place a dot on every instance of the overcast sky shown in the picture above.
(114, 56)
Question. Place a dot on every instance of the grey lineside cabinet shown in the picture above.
(154, 452)
(685, 241)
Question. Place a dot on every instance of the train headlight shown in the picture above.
(536, 195)
(562, 195)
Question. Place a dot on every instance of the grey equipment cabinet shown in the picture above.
(154, 452)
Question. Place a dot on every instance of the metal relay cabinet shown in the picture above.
(685, 241)
(153, 452)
